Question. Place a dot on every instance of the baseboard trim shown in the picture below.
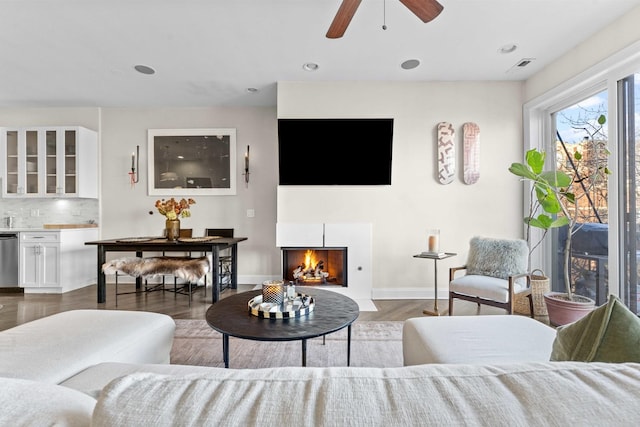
(408, 293)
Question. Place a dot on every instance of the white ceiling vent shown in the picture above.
(521, 64)
(524, 62)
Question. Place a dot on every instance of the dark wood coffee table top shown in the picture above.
(332, 312)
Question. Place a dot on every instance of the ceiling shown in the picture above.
(81, 53)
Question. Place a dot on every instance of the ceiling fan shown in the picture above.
(426, 10)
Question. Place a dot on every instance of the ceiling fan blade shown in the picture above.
(426, 10)
(343, 17)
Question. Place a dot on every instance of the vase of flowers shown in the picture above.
(173, 210)
(172, 229)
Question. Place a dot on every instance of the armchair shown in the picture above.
(496, 271)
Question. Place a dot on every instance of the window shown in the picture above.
(612, 87)
(577, 130)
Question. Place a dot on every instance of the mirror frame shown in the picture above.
(152, 138)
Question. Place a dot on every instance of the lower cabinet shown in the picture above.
(57, 261)
(40, 260)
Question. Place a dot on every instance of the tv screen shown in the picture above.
(335, 151)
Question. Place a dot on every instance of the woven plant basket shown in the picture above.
(539, 286)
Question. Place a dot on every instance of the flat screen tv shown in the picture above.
(335, 151)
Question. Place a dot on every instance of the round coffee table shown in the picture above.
(333, 311)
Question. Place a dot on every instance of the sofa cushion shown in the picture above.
(517, 394)
(488, 257)
(31, 403)
(610, 333)
(52, 349)
(488, 287)
(92, 380)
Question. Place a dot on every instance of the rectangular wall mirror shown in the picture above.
(191, 162)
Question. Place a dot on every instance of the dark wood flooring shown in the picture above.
(18, 308)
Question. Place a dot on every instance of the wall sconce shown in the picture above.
(246, 167)
(134, 175)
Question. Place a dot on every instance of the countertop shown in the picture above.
(48, 227)
(64, 226)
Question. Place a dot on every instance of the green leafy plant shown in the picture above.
(554, 201)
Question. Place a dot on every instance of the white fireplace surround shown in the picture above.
(356, 237)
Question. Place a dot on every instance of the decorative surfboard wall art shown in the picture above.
(446, 153)
(471, 161)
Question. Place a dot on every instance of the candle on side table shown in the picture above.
(434, 240)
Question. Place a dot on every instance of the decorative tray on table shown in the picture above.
(301, 305)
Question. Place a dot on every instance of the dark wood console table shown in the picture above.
(162, 245)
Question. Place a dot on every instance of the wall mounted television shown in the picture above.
(335, 151)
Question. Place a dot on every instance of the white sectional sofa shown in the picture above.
(104, 389)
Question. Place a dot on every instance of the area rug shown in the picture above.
(373, 344)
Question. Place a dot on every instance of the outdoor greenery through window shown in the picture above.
(581, 149)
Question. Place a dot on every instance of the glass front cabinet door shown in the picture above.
(49, 162)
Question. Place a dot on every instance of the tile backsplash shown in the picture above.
(33, 213)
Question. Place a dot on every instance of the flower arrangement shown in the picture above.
(173, 209)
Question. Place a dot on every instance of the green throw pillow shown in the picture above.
(610, 333)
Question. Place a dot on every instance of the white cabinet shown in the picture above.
(57, 261)
(40, 259)
(49, 161)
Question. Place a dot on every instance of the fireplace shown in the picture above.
(315, 266)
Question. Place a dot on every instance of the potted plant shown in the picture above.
(555, 203)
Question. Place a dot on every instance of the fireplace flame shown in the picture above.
(310, 259)
(311, 269)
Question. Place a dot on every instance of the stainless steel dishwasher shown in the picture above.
(9, 251)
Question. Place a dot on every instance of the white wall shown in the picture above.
(614, 37)
(415, 202)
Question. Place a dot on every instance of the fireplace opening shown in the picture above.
(315, 266)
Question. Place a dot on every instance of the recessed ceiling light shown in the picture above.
(310, 66)
(252, 90)
(410, 64)
(508, 48)
(143, 69)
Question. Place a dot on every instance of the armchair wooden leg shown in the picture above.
(531, 306)
(450, 305)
